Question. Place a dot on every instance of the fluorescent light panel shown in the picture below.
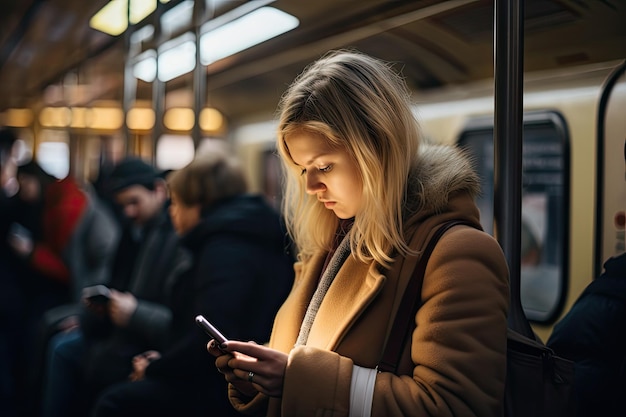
(140, 9)
(242, 33)
(113, 17)
(177, 60)
(177, 18)
(145, 69)
(225, 40)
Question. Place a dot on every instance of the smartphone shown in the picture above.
(210, 330)
(97, 294)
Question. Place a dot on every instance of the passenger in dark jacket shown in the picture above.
(10, 295)
(240, 276)
(593, 335)
(137, 316)
(66, 241)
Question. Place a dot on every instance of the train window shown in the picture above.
(174, 151)
(545, 208)
(53, 152)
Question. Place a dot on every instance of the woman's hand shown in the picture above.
(251, 367)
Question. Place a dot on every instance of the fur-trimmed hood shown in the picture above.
(440, 172)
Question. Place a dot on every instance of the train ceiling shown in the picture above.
(46, 45)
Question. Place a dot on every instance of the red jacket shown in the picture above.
(64, 205)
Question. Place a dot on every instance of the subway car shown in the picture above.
(87, 97)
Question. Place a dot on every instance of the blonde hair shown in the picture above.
(212, 176)
(360, 104)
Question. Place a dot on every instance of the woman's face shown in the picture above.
(330, 174)
(184, 218)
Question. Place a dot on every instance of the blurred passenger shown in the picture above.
(593, 335)
(136, 317)
(241, 274)
(66, 241)
(77, 238)
(10, 295)
(363, 196)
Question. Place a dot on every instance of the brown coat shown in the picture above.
(457, 355)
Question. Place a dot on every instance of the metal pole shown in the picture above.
(508, 117)
(130, 84)
(199, 74)
(158, 87)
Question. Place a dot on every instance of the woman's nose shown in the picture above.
(313, 184)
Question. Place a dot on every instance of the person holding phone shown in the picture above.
(241, 273)
(148, 262)
(362, 197)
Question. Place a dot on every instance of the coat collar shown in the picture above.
(440, 172)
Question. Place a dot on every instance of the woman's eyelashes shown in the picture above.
(327, 168)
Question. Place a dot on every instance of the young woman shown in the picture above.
(362, 199)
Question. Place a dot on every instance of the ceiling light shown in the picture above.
(113, 17)
(140, 9)
(178, 60)
(177, 18)
(242, 33)
(146, 67)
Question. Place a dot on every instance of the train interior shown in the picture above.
(80, 96)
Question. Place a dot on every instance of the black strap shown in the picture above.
(411, 300)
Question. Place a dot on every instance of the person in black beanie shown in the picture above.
(136, 317)
(241, 273)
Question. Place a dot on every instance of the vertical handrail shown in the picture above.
(508, 117)
(130, 84)
(199, 73)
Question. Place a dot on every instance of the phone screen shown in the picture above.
(210, 329)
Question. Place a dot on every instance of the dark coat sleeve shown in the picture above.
(238, 285)
(593, 335)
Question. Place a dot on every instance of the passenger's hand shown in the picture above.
(249, 366)
(122, 305)
(141, 362)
